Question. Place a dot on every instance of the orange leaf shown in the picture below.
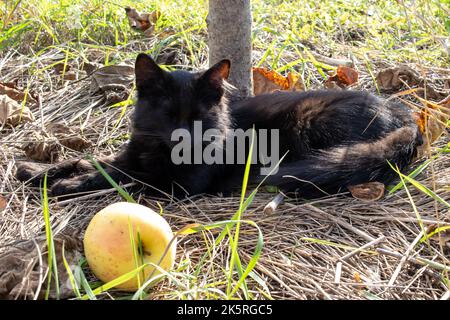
(344, 77)
(347, 75)
(295, 82)
(142, 21)
(267, 81)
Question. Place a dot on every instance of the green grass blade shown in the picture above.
(234, 242)
(70, 274)
(253, 260)
(119, 280)
(119, 189)
(435, 231)
(51, 257)
(420, 168)
(86, 287)
(135, 251)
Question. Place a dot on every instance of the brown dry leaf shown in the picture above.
(295, 82)
(12, 113)
(393, 79)
(345, 76)
(2, 203)
(267, 81)
(45, 146)
(14, 93)
(432, 121)
(142, 21)
(71, 75)
(68, 137)
(44, 149)
(114, 81)
(112, 77)
(90, 67)
(59, 68)
(370, 191)
(20, 269)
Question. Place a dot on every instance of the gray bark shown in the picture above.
(229, 37)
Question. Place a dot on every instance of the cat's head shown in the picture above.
(173, 100)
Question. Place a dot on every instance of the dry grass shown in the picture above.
(331, 248)
(304, 241)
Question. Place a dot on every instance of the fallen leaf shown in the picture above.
(59, 68)
(267, 81)
(394, 79)
(112, 77)
(2, 203)
(142, 21)
(71, 75)
(114, 81)
(12, 113)
(45, 146)
(345, 76)
(14, 93)
(20, 263)
(44, 149)
(432, 122)
(370, 191)
(295, 83)
(68, 137)
(90, 67)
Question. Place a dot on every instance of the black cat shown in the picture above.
(333, 139)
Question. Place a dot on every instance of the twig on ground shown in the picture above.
(367, 245)
(338, 272)
(404, 258)
(416, 260)
(273, 205)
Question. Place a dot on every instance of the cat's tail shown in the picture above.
(333, 170)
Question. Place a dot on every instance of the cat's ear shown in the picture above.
(215, 75)
(147, 71)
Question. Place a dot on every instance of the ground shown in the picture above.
(49, 49)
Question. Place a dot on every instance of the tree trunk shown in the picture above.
(229, 37)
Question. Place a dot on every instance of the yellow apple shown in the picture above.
(108, 247)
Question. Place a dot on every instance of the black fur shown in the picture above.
(334, 139)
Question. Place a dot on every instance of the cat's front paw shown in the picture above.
(29, 171)
(65, 187)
